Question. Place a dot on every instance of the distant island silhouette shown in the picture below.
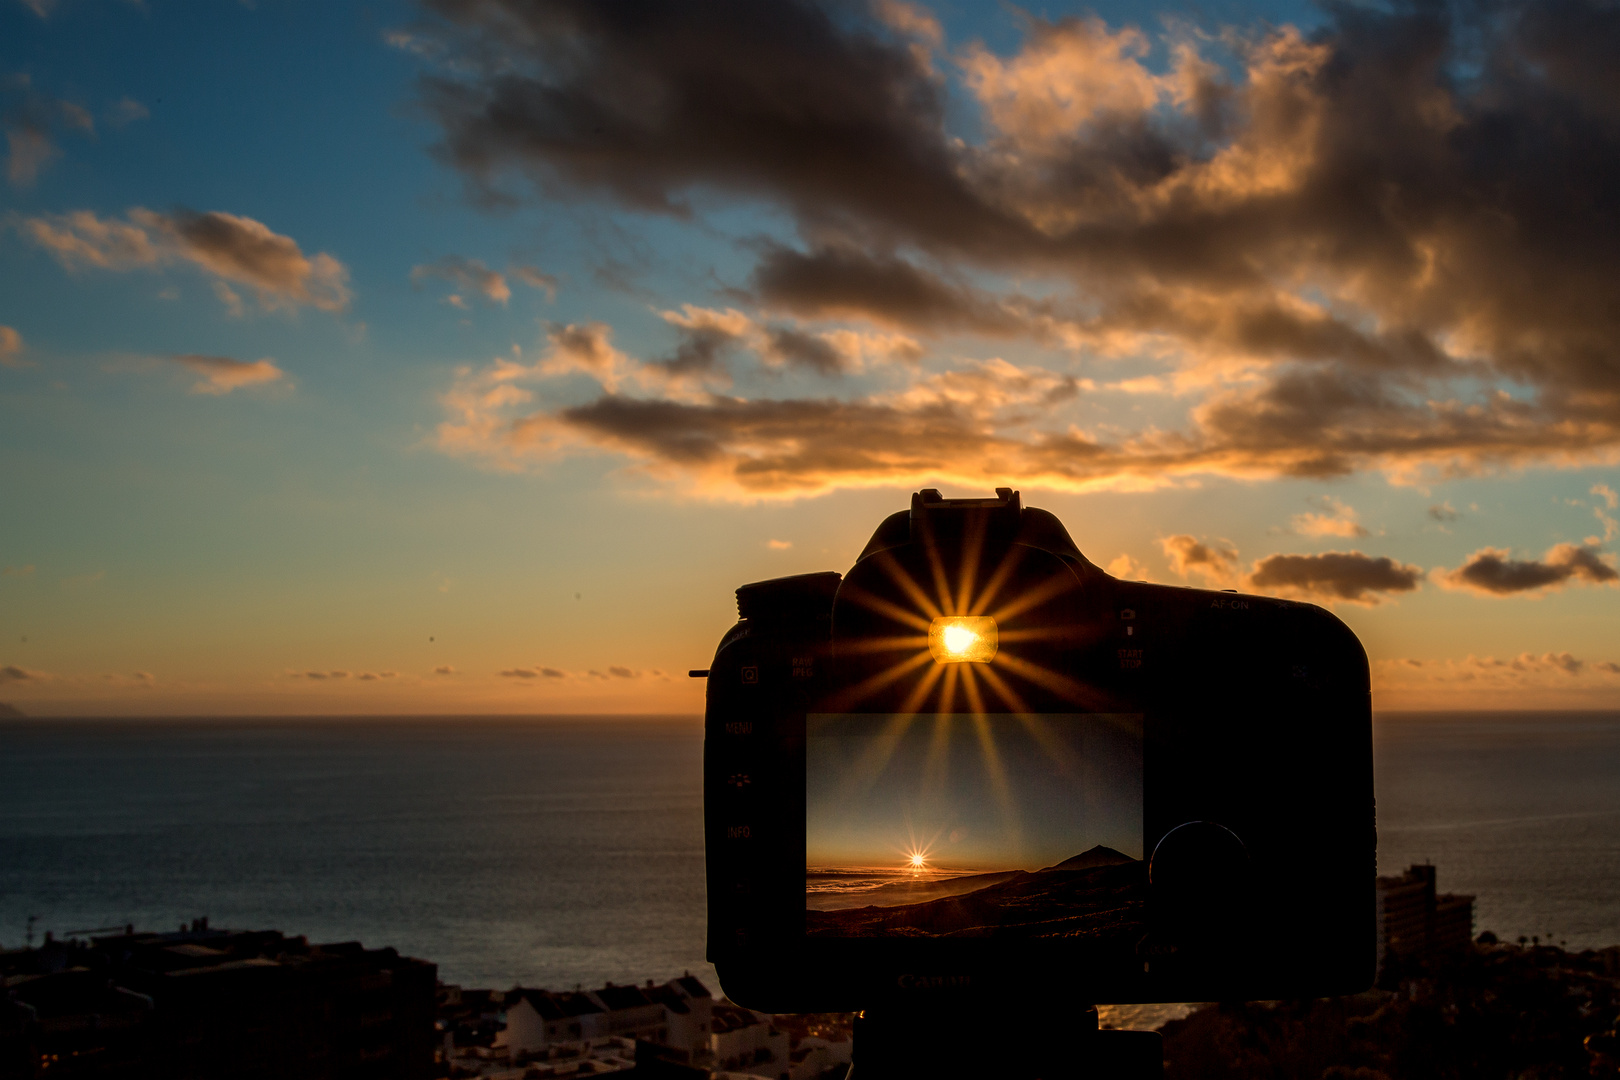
(1099, 894)
(11, 712)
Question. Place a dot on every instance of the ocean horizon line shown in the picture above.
(1379, 715)
(299, 718)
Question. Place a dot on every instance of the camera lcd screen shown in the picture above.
(1000, 825)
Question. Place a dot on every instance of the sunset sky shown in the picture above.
(1015, 793)
(464, 355)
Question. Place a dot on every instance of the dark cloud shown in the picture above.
(1564, 662)
(1335, 575)
(530, 673)
(649, 101)
(801, 445)
(1494, 570)
(701, 350)
(805, 350)
(1443, 512)
(948, 429)
(1415, 268)
(623, 672)
(1331, 422)
(242, 249)
(845, 281)
(13, 673)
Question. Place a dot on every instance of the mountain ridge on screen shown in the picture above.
(1100, 855)
(1105, 904)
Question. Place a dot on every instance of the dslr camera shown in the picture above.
(977, 765)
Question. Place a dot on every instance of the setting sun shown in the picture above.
(959, 639)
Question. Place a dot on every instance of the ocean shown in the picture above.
(547, 852)
(563, 851)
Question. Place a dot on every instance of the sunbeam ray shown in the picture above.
(1061, 685)
(936, 563)
(998, 780)
(998, 578)
(971, 550)
(897, 574)
(1040, 594)
(1006, 693)
(851, 696)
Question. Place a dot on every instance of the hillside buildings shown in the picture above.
(674, 1030)
(201, 1003)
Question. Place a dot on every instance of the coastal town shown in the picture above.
(674, 1029)
(201, 1001)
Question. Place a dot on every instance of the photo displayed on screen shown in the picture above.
(998, 825)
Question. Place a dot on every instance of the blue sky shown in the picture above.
(321, 426)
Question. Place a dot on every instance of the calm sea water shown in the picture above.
(1521, 810)
(548, 852)
(561, 851)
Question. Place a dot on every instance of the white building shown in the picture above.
(742, 1042)
(537, 1020)
(815, 1055)
(676, 1014)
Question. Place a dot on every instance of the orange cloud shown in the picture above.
(1123, 566)
(1526, 680)
(469, 275)
(230, 247)
(1328, 241)
(1336, 519)
(221, 374)
(1067, 75)
(30, 119)
(536, 278)
(1189, 555)
(11, 348)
